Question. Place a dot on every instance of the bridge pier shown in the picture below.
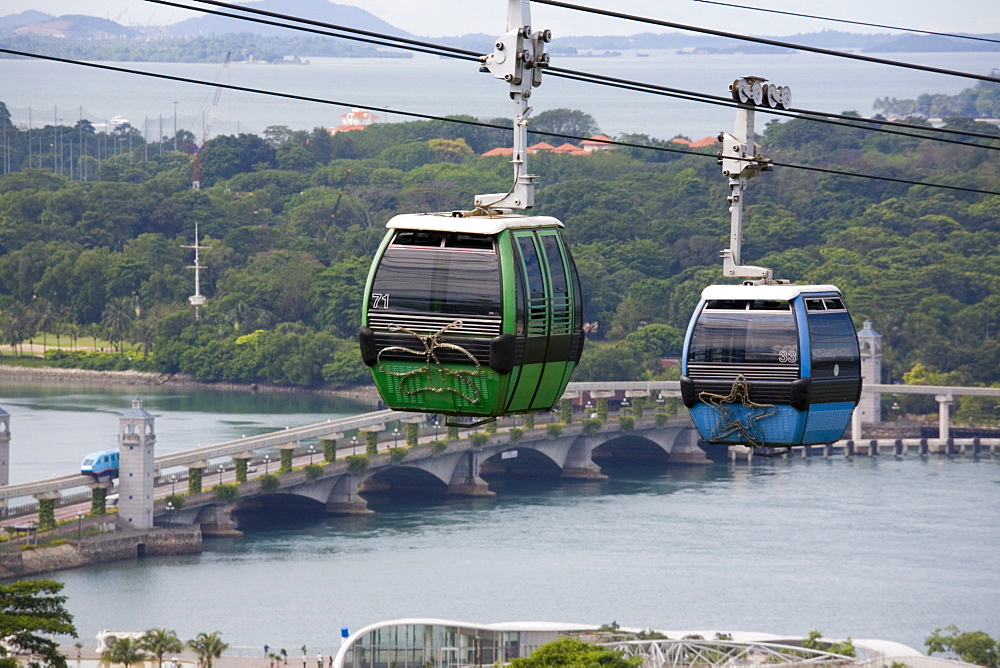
(345, 500)
(217, 522)
(579, 465)
(466, 480)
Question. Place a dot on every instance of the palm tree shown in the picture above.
(208, 646)
(124, 651)
(73, 331)
(160, 642)
(143, 333)
(45, 318)
(15, 326)
(117, 319)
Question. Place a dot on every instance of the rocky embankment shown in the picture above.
(16, 561)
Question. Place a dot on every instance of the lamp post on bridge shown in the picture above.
(312, 451)
(267, 460)
(173, 483)
(354, 445)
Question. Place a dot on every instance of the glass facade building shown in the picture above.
(419, 643)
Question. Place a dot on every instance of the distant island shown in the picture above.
(210, 38)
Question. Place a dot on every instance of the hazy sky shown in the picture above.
(456, 17)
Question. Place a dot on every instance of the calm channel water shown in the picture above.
(44, 92)
(886, 548)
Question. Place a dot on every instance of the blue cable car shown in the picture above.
(103, 464)
(766, 363)
(771, 365)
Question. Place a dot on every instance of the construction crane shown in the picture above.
(207, 129)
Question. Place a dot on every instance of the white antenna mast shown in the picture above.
(741, 160)
(518, 58)
(197, 299)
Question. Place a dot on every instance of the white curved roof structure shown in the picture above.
(423, 641)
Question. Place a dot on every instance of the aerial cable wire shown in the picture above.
(857, 23)
(431, 117)
(814, 116)
(769, 42)
(586, 77)
(320, 24)
(383, 40)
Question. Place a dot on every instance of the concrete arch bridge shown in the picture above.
(461, 467)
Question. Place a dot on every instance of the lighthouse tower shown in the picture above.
(136, 439)
(870, 341)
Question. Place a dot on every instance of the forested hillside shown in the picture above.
(291, 219)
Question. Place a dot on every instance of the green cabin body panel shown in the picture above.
(464, 338)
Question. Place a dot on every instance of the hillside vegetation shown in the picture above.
(291, 219)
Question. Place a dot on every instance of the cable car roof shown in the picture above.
(781, 292)
(446, 222)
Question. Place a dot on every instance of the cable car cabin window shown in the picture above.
(473, 241)
(744, 304)
(417, 238)
(419, 274)
(537, 324)
(741, 337)
(561, 320)
(834, 345)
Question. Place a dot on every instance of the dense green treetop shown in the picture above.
(32, 612)
(975, 647)
(571, 652)
(289, 221)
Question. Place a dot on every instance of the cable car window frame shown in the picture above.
(398, 270)
(831, 358)
(536, 303)
(560, 296)
(748, 324)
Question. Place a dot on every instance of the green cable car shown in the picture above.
(472, 316)
(478, 314)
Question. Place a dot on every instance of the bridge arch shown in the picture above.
(629, 449)
(403, 482)
(279, 501)
(519, 463)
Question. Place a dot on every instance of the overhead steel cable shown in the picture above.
(431, 117)
(769, 42)
(857, 23)
(320, 24)
(382, 40)
(242, 89)
(842, 120)
(879, 125)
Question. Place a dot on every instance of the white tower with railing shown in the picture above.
(4, 447)
(136, 440)
(870, 342)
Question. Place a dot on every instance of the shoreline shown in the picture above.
(48, 375)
